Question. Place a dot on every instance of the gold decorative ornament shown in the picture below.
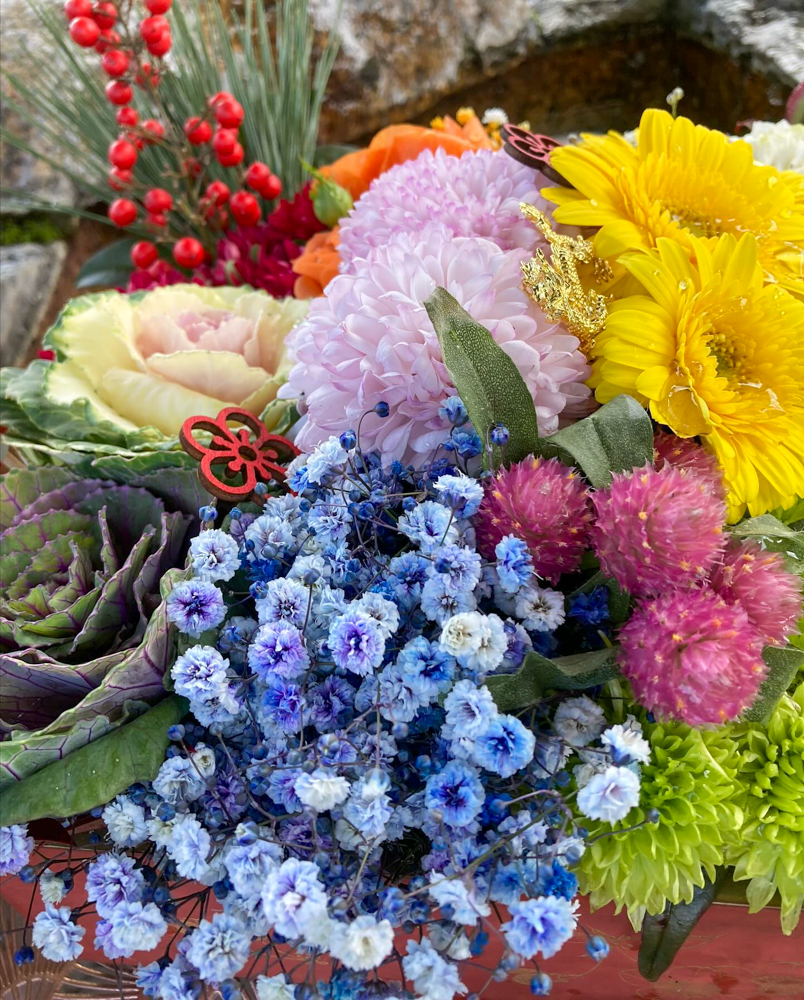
(555, 285)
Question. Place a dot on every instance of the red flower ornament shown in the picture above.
(250, 452)
(531, 149)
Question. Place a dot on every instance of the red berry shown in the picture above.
(157, 201)
(46, 354)
(221, 95)
(245, 208)
(224, 141)
(272, 188)
(119, 179)
(229, 113)
(222, 219)
(84, 32)
(122, 154)
(217, 192)
(198, 131)
(257, 175)
(156, 220)
(143, 254)
(127, 116)
(152, 28)
(122, 212)
(78, 8)
(233, 158)
(161, 46)
(115, 62)
(188, 253)
(108, 40)
(118, 92)
(105, 15)
(158, 6)
(192, 167)
(156, 129)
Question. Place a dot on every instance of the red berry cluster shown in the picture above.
(206, 138)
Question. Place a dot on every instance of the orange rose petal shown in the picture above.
(474, 132)
(307, 288)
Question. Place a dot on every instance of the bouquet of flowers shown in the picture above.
(510, 616)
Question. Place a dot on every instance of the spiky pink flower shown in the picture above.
(685, 453)
(692, 656)
(543, 502)
(760, 583)
(657, 529)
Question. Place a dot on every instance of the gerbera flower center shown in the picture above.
(699, 223)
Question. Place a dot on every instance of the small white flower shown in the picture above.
(125, 821)
(383, 611)
(328, 456)
(274, 988)
(540, 608)
(204, 759)
(675, 95)
(584, 773)
(467, 907)
(626, 742)
(610, 796)
(460, 635)
(214, 555)
(321, 790)
(51, 887)
(362, 944)
(777, 144)
(318, 929)
(578, 721)
(160, 833)
(494, 116)
(492, 648)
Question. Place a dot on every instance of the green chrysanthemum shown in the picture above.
(690, 781)
(770, 846)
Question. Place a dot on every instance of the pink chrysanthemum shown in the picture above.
(658, 529)
(692, 656)
(762, 585)
(370, 339)
(543, 502)
(476, 194)
(684, 453)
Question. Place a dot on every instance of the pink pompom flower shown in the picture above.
(657, 529)
(685, 453)
(760, 583)
(692, 656)
(543, 502)
(369, 339)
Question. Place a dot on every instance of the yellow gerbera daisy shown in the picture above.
(714, 352)
(681, 180)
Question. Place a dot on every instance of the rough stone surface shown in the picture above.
(28, 275)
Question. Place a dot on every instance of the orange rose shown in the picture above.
(318, 263)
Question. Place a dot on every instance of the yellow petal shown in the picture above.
(655, 383)
(148, 400)
(67, 383)
(98, 337)
(656, 278)
(220, 374)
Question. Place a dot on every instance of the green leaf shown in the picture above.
(616, 438)
(783, 665)
(95, 774)
(537, 675)
(487, 380)
(113, 259)
(329, 153)
(664, 934)
(775, 536)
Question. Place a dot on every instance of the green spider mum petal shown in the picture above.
(690, 780)
(770, 847)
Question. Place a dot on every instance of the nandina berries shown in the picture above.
(224, 141)
(119, 179)
(229, 113)
(245, 208)
(158, 6)
(161, 46)
(122, 212)
(118, 92)
(154, 128)
(84, 32)
(151, 28)
(188, 253)
(127, 116)
(78, 8)
(122, 154)
(157, 201)
(108, 40)
(115, 62)
(105, 16)
(143, 254)
(198, 131)
(260, 178)
(217, 192)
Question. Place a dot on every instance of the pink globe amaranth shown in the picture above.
(760, 583)
(546, 504)
(685, 453)
(691, 656)
(369, 339)
(657, 529)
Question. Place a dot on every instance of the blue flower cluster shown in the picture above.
(347, 774)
